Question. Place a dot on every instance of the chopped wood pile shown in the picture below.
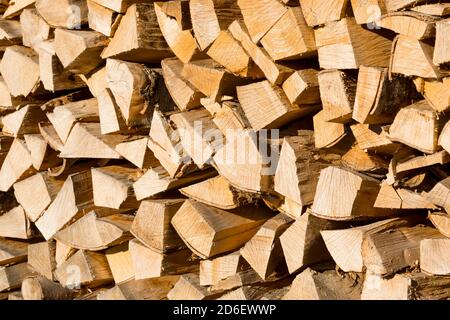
(225, 149)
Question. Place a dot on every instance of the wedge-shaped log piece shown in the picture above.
(246, 161)
(64, 117)
(327, 134)
(208, 231)
(274, 72)
(69, 14)
(437, 93)
(148, 289)
(345, 245)
(111, 120)
(441, 220)
(43, 156)
(390, 251)
(371, 138)
(434, 256)
(40, 288)
(198, 134)
(152, 227)
(157, 180)
(267, 106)
(113, 187)
(10, 32)
(263, 251)
(412, 24)
(63, 252)
(214, 270)
(73, 200)
(442, 48)
(369, 11)
(148, 263)
(15, 8)
(120, 263)
(320, 12)
(23, 121)
(91, 269)
(188, 288)
(102, 19)
(135, 150)
(412, 57)
(86, 141)
(11, 277)
(209, 17)
(325, 285)
(297, 171)
(395, 5)
(378, 98)
(435, 9)
(79, 51)
(12, 251)
(260, 17)
(226, 115)
(34, 28)
(93, 232)
(17, 165)
(228, 52)
(174, 22)
(302, 243)
(219, 193)
(337, 92)
(52, 73)
(406, 286)
(138, 37)
(347, 45)
(343, 194)
(20, 70)
(399, 198)
(185, 95)
(302, 87)
(290, 38)
(41, 258)
(417, 126)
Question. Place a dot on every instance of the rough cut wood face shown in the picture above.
(224, 149)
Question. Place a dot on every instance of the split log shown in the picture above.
(302, 87)
(93, 232)
(138, 37)
(23, 121)
(345, 245)
(412, 57)
(219, 193)
(15, 8)
(266, 106)
(120, 263)
(157, 180)
(78, 50)
(41, 258)
(203, 228)
(209, 17)
(417, 126)
(302, 243)
(274, 72)
(74, 199)
(435, 9)
(320, 12)
(326, 285)
(86, 141)
(442, 49)
(119, 6)
(17, 165)
(227, 115)
(11, 277)
(34, 28)
(148, 263)
(260, 17)
(395, 5)
(245, 276)
(437, 93)
(368, 12)
(406, 286)
(188, 288)
(96, 81)
(344, 45)
(327, 134)
(388, 252)
(214, 270)
(337, 92)
(135, 150)
(378, 98)
(359, 160)
(10, 33)
(399, 198)
(111, 120)
(263, 251)
(12, 251)
(113, 187)
(441, 220)
(40, 288)
(84, 268)
(63, 252)
(20, 70)
(411, 24)
(152, 225)
(70, 14)
(102, 19)
(434, 257)
(354, 201)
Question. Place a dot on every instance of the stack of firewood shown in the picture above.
(224, 149)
